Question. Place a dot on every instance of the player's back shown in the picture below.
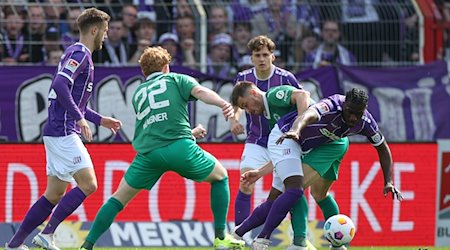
(161, 110)
(331, 126)
(75, 74)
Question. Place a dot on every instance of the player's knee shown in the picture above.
(88, 188)
(318, 195)
(295, 181)
(53, 196)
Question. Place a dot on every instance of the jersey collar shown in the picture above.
(154, 74)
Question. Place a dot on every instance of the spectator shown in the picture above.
(219, 57)
(217, 21)
(73, 33)
(244, 63)
(129, 16)
(115, 50)
(55, 13)
(182, 8)
(14, 49)
(276, 21)
(36, 27)
(242, 33)
(181, 55)
(145, 32)
(185, 27)
(305, 45)
(53, 57)
(307, 14)
(330, 51)
(51, 42)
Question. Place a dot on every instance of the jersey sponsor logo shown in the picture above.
(329, 134)
(376, 138)
(276, 117)
(280, 94)
(89, 87)
(322, 108)
(72, 65)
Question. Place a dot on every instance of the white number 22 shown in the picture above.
(142, 95)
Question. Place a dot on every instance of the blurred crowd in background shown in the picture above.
(308, 33)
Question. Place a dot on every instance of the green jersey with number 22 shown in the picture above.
(160, 104)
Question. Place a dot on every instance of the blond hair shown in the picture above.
(153, 59)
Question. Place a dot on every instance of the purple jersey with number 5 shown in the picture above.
(331, 125)
(258, 128)
(70, 91)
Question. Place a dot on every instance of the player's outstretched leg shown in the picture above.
(220, 201)
(108, 212)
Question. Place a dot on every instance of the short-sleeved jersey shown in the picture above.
(331, 125)
(277, 103)
(160, 104)
(258, 128)
(77, 67)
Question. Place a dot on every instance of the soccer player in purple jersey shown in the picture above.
(328, 120)
(264, 75)
(67, 157)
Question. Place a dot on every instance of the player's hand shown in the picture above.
(236, 128)
(85, 130)
(228, 111)
(250, 177)
(389, 187)
(288, 135)
(199, 131)
(111, 123)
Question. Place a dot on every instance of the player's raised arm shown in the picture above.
(303, 120)
(300, 98)
(210, 97)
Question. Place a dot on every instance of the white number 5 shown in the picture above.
(150, 93)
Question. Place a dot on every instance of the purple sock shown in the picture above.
(279, 210)
(66, 206)
(255, 219)
(241, 207)
(37, 214)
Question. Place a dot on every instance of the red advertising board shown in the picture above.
(359, 190)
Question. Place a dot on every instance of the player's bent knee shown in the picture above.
(295, 181)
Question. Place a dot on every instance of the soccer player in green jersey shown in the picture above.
(320, 166)
(164, 142)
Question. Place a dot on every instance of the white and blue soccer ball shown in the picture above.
(339, 230)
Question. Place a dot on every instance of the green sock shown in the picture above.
(328, 206)
(104, 219)
(220, 200)
(299, 221)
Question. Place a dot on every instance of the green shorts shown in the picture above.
(183, 156)
(326, 158)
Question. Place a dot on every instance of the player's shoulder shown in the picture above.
(282, 72)
(245, 72)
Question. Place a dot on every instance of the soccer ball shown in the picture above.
(339, 230)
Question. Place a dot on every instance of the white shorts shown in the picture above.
(65, 156)
(286, 158)
(254, 156)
